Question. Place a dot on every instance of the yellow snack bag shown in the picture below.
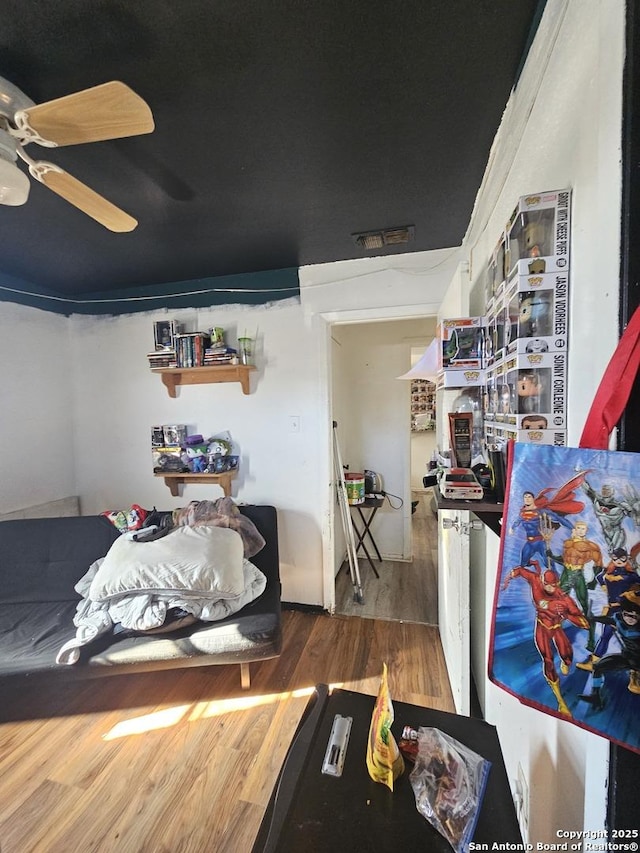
(384, 762)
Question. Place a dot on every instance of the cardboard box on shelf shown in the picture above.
(470, 378)
(496, 333)
(538, 308)
(496, 272)
(538, 234)
(537, 385)
(496, 393)
(167, 459)
(501, 433)
(462, 343)
(174, 434)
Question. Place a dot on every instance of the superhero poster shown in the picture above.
(565, 636)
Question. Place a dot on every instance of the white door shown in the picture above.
(453, 602)
(453, 545)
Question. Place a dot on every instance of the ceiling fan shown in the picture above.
(109, 111)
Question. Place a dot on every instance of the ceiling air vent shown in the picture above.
(385, 237)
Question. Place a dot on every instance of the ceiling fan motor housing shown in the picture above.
(14, 184)
(12, 99)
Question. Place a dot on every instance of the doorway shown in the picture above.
(373, 411)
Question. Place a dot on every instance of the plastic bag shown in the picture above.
(449, 780)
(384, 761)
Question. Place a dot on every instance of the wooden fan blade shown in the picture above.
(88, 201)
(109, 111)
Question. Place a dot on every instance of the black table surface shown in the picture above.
(314, 812)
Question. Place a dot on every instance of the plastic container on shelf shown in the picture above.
(355, 488)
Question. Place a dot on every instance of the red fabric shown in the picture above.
(614, 389)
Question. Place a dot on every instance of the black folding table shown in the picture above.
(372, 505)
(318, 813)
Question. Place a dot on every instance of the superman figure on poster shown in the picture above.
(555, 507)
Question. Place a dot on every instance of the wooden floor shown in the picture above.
(404, 591)
(185, 761)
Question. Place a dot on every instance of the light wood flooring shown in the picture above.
(404, 591)
(185, 761)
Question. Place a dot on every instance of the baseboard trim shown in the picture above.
(304, 608)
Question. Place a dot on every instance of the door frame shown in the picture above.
(326, 321)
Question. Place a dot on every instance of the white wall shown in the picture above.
(118, 399)
(36, 425)
(423, 445)
(562, 129)
(378, 288)
(397, 287)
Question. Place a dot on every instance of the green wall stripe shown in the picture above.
(246, 289)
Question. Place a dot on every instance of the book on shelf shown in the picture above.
(190, 348)
(162, 358)
(193, 349)
(220, 354)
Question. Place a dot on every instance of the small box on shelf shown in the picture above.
(538, 234)
(496, 273)
(164, 333)
(174, 434)
(495, 433)
(167, 460)
(462, 343)
(538, 312)
(537, 385)
(460, 378)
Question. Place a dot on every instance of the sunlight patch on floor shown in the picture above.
(148, 722)
(193, 712)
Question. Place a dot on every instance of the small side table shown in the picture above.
(371, 504)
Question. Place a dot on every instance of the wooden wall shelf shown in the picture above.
(174, 376)
(174, 481)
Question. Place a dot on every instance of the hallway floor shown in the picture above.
(405, 591)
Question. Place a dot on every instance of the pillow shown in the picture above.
(200, 562)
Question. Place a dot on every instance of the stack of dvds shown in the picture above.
(162, 358)
(220, 354)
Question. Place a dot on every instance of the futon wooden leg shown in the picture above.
(245, 676)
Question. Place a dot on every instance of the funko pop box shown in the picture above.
(498, 434)
(538, 307)
(496, 398)
(495, 273)
(462, 343)
(167, 459)
(496, 331)
(469, 378)
(538, 234)
(537, 385)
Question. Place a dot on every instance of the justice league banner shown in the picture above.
(565, 635)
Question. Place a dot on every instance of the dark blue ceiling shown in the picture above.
(282, 128)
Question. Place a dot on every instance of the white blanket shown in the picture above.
(141, 611)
